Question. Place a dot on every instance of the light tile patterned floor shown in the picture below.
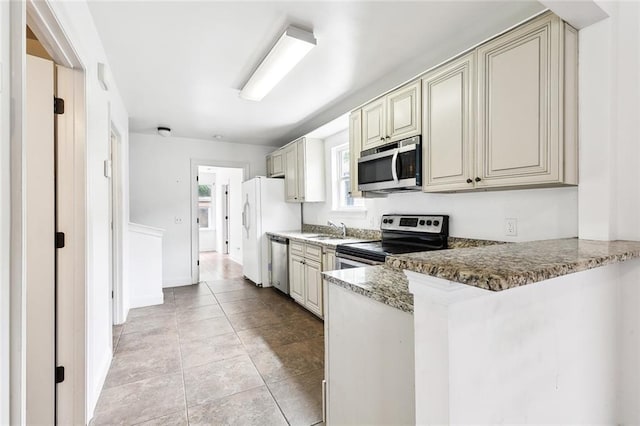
(220, 352)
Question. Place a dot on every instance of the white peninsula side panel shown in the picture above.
(368, 361)
(555, 352)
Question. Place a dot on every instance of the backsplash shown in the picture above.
(456, 243)
(366, 234)
(375, 234)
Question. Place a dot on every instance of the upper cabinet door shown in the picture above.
(277, 164)
(520, 78)
(269, 166)
(403, 113)
(374, 124)
(291, 172)
(355, 146)
(449, 134)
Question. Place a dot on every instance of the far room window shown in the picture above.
(342, 199)
(205, 206)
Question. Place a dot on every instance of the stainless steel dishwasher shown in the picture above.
(279, 263)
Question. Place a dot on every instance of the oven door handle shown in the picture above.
(394, 166)
(350, 260)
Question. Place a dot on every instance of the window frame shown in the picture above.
(206, 202)
(338, 179)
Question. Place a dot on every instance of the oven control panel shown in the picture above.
(435, 224)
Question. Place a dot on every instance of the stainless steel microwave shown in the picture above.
(392, 167)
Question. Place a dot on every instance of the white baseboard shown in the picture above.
(103, 370)
(176, 282)
(140, 302)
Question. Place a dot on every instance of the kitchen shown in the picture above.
(513, 305)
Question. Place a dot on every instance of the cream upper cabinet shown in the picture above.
(392, 117)
(304, 171)
(504, 115)
(269, 166)
(448, 126)
(374, 124)
(526, 106)
(277, 163)
(403, 113)
(291, 172)
(355, 146)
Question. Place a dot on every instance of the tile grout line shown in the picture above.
(184, 385)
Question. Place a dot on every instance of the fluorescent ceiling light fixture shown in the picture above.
(290, 48)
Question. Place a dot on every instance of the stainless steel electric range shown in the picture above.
(400, 234)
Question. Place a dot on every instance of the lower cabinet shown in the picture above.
(313, 283)
(296, 278)
(306, 264)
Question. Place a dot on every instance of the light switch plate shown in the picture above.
(511, 227)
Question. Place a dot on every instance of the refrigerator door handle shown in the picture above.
(245, 215)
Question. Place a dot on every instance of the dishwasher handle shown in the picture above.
(278, 239)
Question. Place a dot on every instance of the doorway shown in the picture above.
(216, 218)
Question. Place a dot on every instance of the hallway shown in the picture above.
(220, 352)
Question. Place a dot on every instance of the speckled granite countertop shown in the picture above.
(489, 266)
(505, 266)
(381, 283)
(306, 237)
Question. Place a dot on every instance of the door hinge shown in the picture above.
(226, 217)
(58, 105)
(112, 294)
(226, 193)
(59, 240)
(226, 242)
(197, 178)
(198, 262)
(59, 374)
(198, 220)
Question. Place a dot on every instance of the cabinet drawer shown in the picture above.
(313, 252)
(296, 247)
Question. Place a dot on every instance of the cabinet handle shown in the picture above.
(469, 181)
(382, 139)
(388, 137)
(478, 179)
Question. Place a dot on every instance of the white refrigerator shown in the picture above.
(264, 209)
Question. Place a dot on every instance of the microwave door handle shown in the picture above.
(394, 166)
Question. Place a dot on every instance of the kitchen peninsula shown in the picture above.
(513, 333)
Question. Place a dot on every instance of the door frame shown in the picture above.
(117, 234)
(41, 19)
(193, 187)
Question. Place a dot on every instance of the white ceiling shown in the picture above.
(181, 64)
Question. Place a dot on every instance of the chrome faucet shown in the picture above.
(342, 227)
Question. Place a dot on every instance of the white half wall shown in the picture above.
(560, 351)
(146, 265)
(160, 189)
(541, 213)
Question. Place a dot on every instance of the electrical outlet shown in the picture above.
(178, 220)
(511, 227)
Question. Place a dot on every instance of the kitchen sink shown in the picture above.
(322, 237)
